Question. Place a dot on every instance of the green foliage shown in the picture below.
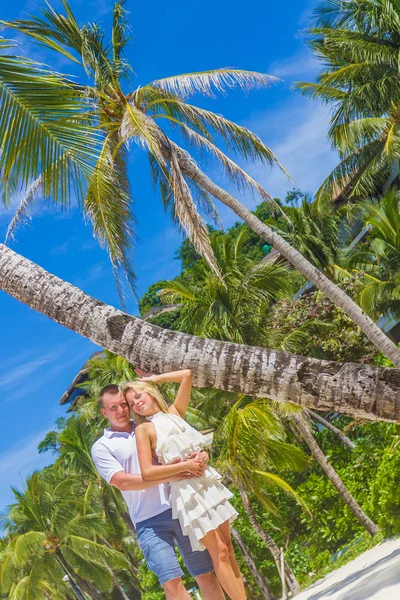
(151, 297)
(340, 339)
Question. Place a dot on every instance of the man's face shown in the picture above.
(116, 409)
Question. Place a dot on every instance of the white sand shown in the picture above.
(374, 575)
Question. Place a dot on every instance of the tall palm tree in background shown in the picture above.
(318, 230)
(253, 468)
(51, 535)
(234, 306)
(358, 43)
(121, 117)
(378, 257)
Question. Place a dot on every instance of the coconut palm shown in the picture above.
(234, 307)
(303, 427)
(260, 580)
(215, 364)
(318, 230)
(53, 536)
(379, 255)
(136, 116)
(358, 43)
(75, 442)
(252, 467)
(200, 300)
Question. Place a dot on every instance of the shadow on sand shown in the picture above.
(381, 576)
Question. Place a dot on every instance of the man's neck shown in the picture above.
(127, 428)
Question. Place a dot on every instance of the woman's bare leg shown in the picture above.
(219, 553)
(225, 531)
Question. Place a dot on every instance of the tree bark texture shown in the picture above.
(353, 389)
(330, 472)
(337, 295)
(290, 577)
(342, 437)
(262, 584)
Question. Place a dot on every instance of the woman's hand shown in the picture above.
(145, 375)
(195, 467)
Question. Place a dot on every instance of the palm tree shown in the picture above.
(252, 467)
(328, 425)
(75, 442)
(305, 432)
(260, 580)
(232, 307)
(202, 312)
(353, 389)
(358, 43)
(52, 536)
(379, 255)
(318, 230)
(122, 117)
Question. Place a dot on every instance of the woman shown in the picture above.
(200, 503)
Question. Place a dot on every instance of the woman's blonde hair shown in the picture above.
(147, 388)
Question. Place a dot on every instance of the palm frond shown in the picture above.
(236, 174)
(108, 206)
(217, 80)
(44, 138)
(22, 215)
(187, 215)
(295, 340)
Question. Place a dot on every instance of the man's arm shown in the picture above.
(112, 471)
(128, 481)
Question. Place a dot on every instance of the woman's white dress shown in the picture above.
(200, 503)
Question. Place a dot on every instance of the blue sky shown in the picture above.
(38, 358)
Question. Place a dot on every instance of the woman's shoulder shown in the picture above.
(145, 428)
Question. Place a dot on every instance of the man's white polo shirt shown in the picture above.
(116, 451)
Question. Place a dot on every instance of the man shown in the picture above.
(115, 457)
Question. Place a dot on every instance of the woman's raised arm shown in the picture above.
(184, 378)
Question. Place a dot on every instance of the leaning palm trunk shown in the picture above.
(78, 584)
(290, 577)
(262, 584)
(353, 389)
(338, 296)
(333, 476)
(117, 583)
(342, 437)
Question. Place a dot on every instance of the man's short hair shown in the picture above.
(112, 389)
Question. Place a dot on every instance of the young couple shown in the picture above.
(173, 496)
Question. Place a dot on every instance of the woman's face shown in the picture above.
(141, 403)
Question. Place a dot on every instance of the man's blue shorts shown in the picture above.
(157, 538)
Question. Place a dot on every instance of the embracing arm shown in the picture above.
(112, 471)
(145, 435)
(184, 378)
(129, 481)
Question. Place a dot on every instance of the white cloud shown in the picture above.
(298, 66)
(26, 371)
(297, 133)
(19, 461)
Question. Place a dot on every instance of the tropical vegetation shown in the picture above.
(315, 483)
